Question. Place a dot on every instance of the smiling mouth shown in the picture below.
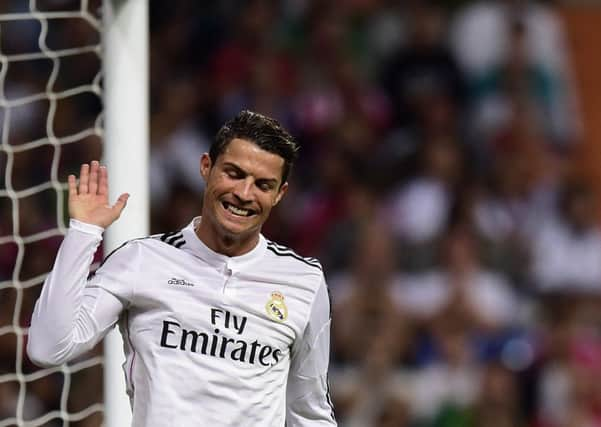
(238, 211)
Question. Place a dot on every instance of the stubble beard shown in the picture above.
(227, 238)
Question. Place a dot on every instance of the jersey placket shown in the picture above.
(227, 276)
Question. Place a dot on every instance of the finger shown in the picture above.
(72, 186)
(93, 183)
(103, 182)
(120, 204)
(83, 178)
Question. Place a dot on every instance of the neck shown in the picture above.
(224, 243)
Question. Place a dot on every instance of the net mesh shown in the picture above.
(50, 122)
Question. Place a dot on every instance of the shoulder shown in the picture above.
(306, 273)
(287, 266)
(133, 247)
(292, 261)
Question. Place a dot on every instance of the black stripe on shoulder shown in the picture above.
(294, 255)
(173, 238)
(165, 236)
(280, 247)
(285, 250)
(122, 245)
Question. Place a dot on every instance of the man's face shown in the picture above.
(242, 187)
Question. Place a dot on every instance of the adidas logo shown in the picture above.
(179, 282)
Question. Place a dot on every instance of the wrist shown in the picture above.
(86, 227)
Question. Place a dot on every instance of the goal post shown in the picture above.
(126, 154)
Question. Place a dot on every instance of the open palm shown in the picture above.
(88, 201)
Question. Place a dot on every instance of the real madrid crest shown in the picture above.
(276, 309)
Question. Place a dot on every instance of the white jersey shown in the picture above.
(210, 340)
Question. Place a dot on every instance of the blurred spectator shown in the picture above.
(177, 140)
(462, 289)
(422, 68)
(567, 250)
(568, 388)
(386, 27)
(371, 336)
(497, 404)
(341, 239)
(515, 197)
(184, 203)
(325, 203)
(452, 379)
(419, 210)
(394, 412)
(515, 50)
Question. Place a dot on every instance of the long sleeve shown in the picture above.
(307, 394)
(72, 314)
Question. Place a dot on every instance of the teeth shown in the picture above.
(237, 211)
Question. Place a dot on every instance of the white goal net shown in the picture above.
(50, 123)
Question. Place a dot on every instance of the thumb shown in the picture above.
(120, 204)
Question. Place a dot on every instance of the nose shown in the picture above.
(243, 189)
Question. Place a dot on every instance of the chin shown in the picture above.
(233, 230)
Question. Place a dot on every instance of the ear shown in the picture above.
(281, 193)
(205, 166)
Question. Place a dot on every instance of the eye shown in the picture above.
(233, 173)
(265, 186)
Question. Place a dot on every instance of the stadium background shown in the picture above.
(448, 182)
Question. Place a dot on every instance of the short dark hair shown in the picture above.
(267, 133)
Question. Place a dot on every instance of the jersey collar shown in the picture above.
(220, 261)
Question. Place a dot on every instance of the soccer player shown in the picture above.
(222, 327)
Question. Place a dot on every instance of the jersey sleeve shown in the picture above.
(307, 395)
(73, 313)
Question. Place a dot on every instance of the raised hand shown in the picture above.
(89, 202)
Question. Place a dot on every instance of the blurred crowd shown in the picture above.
(436, 184)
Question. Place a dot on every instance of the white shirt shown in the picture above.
(563, 260)
(427, 294)
(209, 339)
(419, 210)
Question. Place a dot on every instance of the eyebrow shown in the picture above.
(273, 181)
